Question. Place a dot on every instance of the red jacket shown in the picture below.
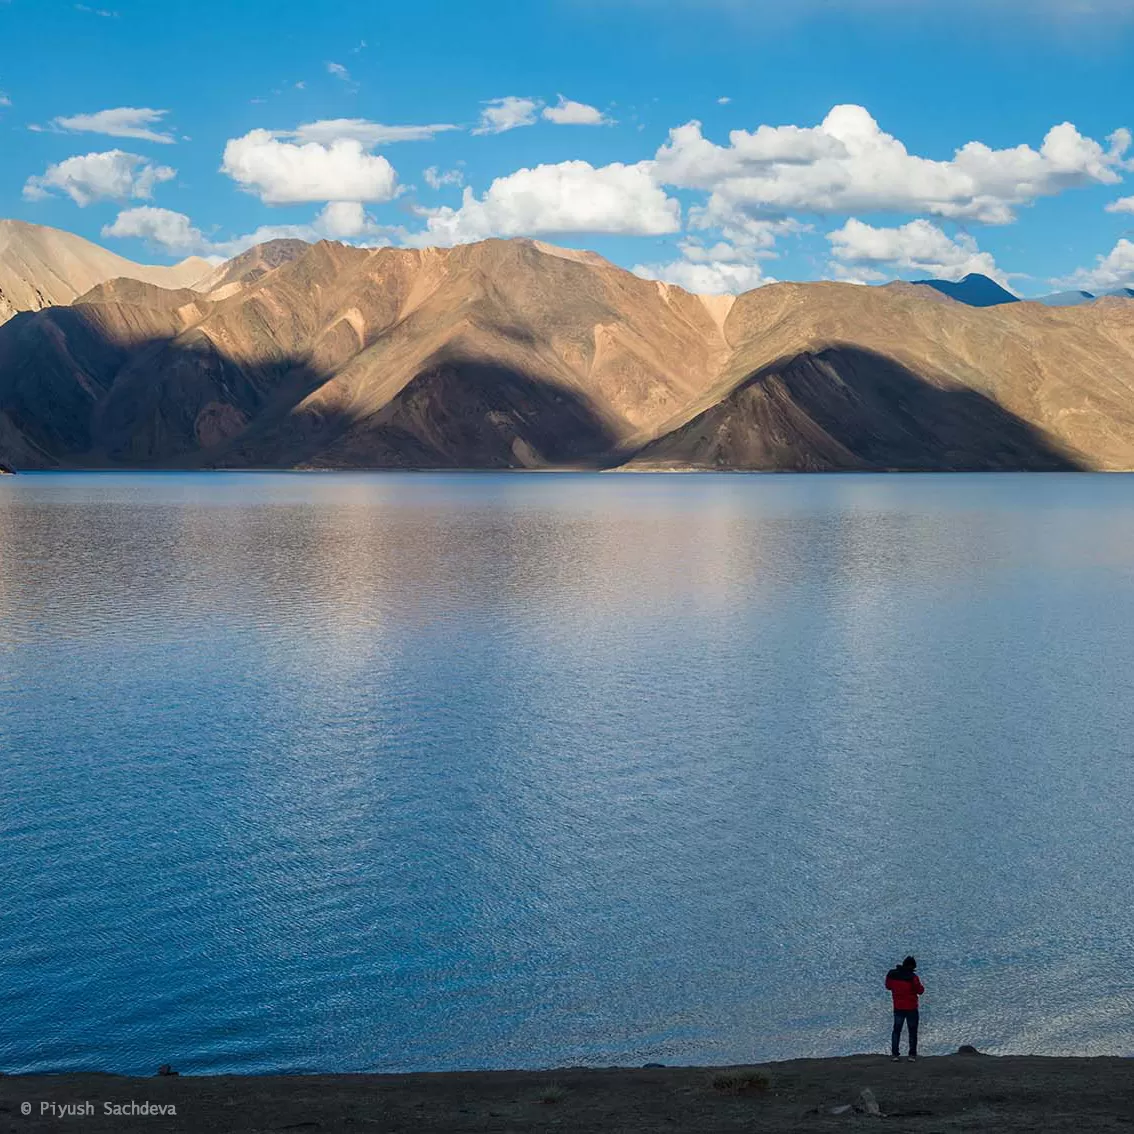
(905, 988)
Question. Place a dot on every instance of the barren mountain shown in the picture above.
(251, 265)
(43, 267)
(518, 354)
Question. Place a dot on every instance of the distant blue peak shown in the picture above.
(1074, 298)
(975, 290)
(1066, 298)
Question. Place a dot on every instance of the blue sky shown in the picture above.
(860, 139)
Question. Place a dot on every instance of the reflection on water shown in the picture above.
(428, 771)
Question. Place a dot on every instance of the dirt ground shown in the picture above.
(946, 1093)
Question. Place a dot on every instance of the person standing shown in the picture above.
(905, 986)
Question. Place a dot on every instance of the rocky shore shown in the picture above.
(944, 1093)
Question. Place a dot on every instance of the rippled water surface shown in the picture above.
(351, 772)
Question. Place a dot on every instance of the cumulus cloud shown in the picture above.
(918, 246)
(724, 100)
(752, 235)
(1122, 205)
(4, 99)
(120, 122)
(849, 164)
(568, 113)
(281, 172)
(370, 134)
(731, 265)
(570, 197)
(1115, 269)
(170, 231)
(434, 178)
(344, 220)
(856, 273)
(500, 114)
(113, 175)
(339, 72)
(714, 277)
(176, 234)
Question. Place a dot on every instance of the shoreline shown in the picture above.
(937, 1093)
(570, 470)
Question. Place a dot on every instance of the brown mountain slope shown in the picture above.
(251, 265)
(848, 408)
(1069, 374)
(44, 267)
(517, 354)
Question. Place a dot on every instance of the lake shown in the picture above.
(350, 772)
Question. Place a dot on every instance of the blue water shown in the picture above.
(346, 772)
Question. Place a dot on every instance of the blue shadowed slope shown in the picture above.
(975, 290)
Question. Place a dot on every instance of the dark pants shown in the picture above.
(907, 1016)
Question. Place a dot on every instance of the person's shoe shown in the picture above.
(895, 1059)
(913, 1058)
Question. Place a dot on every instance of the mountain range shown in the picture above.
(1074, 298)
(980, 291)
(519, 354)
(43, 267)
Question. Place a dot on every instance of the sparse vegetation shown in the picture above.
(553, 1093)
(741, 1081)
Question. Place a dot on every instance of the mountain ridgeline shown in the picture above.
(517, 354)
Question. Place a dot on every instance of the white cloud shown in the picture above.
(4, 99)
(1122, 205)
(284, 173)
(723, 252)
(753, 234)
(106, 13)
(856, 273)
(848, 164)
(1115, 269)
(170, 231)
(572, 196)
(339, 71)
(568, 113)
(176, 234)
(731, 265)
(500, 114)
(724, 100)
(715, 277)
(343, 220)
(120, 122)
(918, 246)
(370, 134)
(434, 178)
(113, 175)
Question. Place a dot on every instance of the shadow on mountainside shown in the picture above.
(95, 386)
(459, 412)
(74, 395)
(844, 407)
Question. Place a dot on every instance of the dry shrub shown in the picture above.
(741, 1081)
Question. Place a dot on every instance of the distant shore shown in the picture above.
(551, 470)
(942, 1093)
